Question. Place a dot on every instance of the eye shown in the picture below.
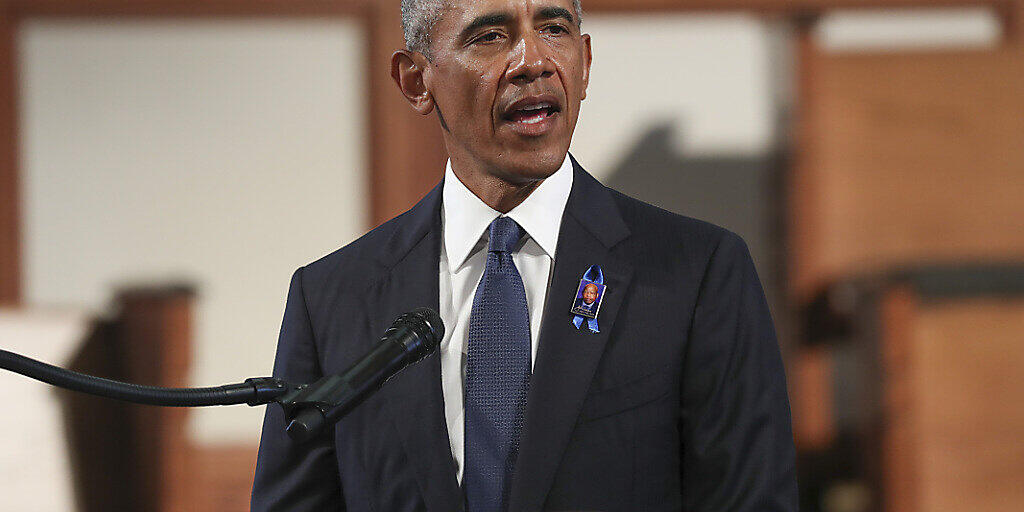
(556, 29)
(488, 37)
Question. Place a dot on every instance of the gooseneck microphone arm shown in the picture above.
(256, 391)
(308, 407)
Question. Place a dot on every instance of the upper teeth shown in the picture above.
(537, 106)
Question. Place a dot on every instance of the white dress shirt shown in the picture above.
(464, 220)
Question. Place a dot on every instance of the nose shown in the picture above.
(530, 60)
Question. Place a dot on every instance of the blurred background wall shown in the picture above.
(163, 161)
(221, 153)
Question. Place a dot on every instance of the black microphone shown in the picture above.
(310, 408)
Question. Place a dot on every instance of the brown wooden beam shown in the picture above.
(10, 233)
(157, 332)
(770, 6)
(802, 205)
(407, 152)
(189, 8)
(334, 7)
(1013, 16)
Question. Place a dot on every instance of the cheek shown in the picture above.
(472, 93)
(485, 86)
(570, 69)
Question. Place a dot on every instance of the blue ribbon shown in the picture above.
(592, 274)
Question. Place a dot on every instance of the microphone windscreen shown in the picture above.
(434, 323)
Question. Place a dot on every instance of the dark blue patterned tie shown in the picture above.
(497, 374)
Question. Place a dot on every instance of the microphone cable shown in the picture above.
(308, 407)
(254, 391)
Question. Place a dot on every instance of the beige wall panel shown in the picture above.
(907, 158)
(962, 392)
(707, 77)
(35, 468)
(222, 152)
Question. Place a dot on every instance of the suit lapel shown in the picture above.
(567, 357)
(415, 398)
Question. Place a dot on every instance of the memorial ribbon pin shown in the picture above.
(589, 295)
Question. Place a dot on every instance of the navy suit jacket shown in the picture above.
(679, 403)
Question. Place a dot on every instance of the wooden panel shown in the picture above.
(95, 426)
(813, 404)
(10, 238)
(131, 457)
(956, 405)
(770, 6)
(157, 332)
(223, 477)
(1013, 18)
(899, 454)
(967, 377)
(329, 7)
(407, 151)
(128, 457)
(188, 7)
(907, 158)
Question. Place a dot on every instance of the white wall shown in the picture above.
(226, 153)
(709, 76)
(715, 78)
(35, 467)
(908, 29)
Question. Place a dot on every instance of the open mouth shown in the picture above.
(532, 114)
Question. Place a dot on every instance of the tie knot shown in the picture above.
(505, 233)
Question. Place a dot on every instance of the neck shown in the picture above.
(496, 191)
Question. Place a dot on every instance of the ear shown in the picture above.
(588, 57)
(407, 70)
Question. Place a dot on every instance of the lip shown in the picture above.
(532, 100)
(536, 127)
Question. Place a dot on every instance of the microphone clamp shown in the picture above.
(309, 408)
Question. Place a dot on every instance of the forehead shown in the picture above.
(461, 12)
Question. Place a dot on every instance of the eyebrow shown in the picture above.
(501, 18)
(550, 13)
(485, 20)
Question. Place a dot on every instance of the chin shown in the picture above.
(532, 165)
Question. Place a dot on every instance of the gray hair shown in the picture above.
(419, 17)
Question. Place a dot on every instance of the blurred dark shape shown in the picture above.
(93, 427)
(881, 336)
(735, 192)
(129, 457)
(741, 193)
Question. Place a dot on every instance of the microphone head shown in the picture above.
(419, 331)
(433, 322)
(412, 336)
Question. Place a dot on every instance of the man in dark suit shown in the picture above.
(677, 402)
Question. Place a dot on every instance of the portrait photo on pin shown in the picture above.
(588, 298)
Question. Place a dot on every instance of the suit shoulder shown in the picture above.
(356, 263)
(657, 224)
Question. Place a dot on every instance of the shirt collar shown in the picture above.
(465, 217)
